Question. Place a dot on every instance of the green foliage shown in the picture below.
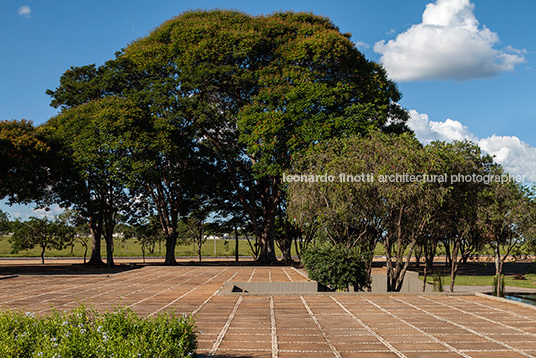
(85, 333)
(24, 161)
(336, 266)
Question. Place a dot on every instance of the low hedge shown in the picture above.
(85, 333)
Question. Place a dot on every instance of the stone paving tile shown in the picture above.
(291, 326)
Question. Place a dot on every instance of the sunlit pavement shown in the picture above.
(289, 325)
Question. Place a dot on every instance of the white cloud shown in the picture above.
(516, 156)
(447, 44)
(24, 11)
(362, 45)
(428, 131)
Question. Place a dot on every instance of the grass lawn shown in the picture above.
(132, 248)
(461, 280)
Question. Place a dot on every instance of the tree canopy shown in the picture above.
(254, 90)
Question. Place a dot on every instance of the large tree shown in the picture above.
(260, 89)
(93, 143)
(253, 89)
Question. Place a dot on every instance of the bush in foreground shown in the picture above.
(336, 266)
(86, 333)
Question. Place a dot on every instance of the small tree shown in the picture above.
(43, 233)
(146, 233)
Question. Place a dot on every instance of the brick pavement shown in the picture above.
(332, 325)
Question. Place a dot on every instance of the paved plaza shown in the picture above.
(330, 325)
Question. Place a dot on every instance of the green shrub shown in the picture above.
(86, 333)
(336, 266)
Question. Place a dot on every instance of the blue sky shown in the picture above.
(466, 68)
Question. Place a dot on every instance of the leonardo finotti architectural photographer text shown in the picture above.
(402, 178)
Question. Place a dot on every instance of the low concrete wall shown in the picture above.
(273, 287)
(411, 283)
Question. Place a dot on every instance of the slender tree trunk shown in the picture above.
(454, 265)
(425, 277)
(498, 268)
(418, 255)
(199, 248)
(85, 253)
(236, 242)
(43, 254)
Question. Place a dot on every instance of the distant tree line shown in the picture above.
(481, 207)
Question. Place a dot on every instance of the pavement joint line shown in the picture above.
(275, 348)
(301, 273)
(464, 327)
(286, 273)
(244, 350)
(225, 328)
(484, 318)
(160, 292)
(369, 329)
(57, 291)
(436, 340)
(252, 273)
(136, 282)
(194, 312)
(187, 293)
(525, 319)
(303, 351)
(315, 320)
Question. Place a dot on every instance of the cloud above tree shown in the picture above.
(449, 43)
(516, 156)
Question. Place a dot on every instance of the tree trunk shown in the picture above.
(429, 255)
(498, 269)
(267, 254)
(109, 251)
(85, 253)
(43, 254)
(109, 226)
(454, 265)
(95, 228)
(236, 242)
(285, 250)
(171, 242)
(199, 248)
(418, 255)
(425, 277)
